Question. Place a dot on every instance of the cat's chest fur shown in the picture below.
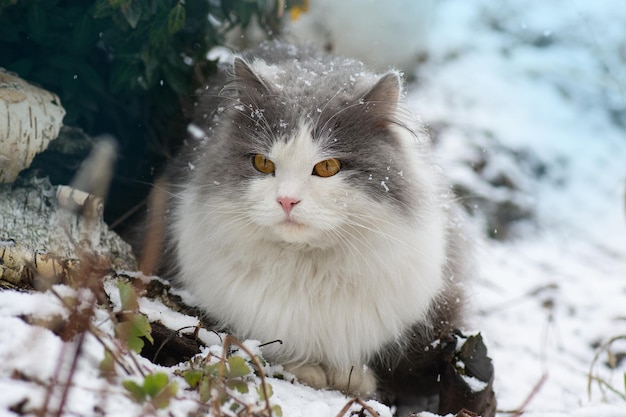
(337, 305)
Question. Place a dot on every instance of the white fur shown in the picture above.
(338, 281)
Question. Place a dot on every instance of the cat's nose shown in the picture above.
(287, 203)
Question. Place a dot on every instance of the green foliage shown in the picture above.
(128, 296)
(222, 382)
(107, 365)
(133, 326)
(156, 389)
(98, 55)
(124, 67)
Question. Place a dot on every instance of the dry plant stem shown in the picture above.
(590, 377)
(66, 389)
(85, 318)
(98, 335)
(360, 402)
(114, 224)
(169, 339)
(532, 394)
(603, 384)
(155, 228)
(230, 340)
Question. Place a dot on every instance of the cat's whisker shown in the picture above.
(323, 109)
(373, 219)
(349, 240)
(358, 233)
(371, 227)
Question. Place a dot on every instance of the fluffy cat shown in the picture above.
(305, 208)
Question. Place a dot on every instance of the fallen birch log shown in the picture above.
(40, 239)
(30, 117)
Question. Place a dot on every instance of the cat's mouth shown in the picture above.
(298, 234)
(291, 223)
(293, 231)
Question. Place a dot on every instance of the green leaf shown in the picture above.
(156, 387)
(142, 325)
(157, 35)
(162, 399)
(277, 411)
(205, 389)
(116, 4)
(126, 332)
(176, 19)
(107, 364)
(237, 367)
(235, 407)
(155, 383)
(133, 330)
(261, 393)
(193, 377)
(128, 296)
(101, 9)
(238, 385)
(132, 11)
(152, 68)
(136, 391)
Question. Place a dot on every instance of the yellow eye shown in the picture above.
(262, 164)
(327, 168)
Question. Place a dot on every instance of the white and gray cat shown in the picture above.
(305, 208)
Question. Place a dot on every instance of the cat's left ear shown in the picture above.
(382, 99)
(249, 86)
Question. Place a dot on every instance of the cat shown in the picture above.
(305, 207)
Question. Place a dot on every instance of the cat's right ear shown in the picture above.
(382, 99)
(249, 86)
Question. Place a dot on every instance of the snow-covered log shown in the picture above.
(30, 117)
(39, 238)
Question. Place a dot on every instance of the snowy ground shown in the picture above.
(527, 102)
(546, 80)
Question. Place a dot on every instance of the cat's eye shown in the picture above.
(327, 168)
(262, 164)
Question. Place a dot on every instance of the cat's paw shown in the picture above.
(311, 375)
(360, 382)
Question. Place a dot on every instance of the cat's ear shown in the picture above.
(249, 86)
(382, 99)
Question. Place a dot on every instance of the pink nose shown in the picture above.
(287, 203)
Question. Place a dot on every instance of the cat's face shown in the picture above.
(301, 195)
(312, 168)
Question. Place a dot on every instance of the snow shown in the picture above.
(556, 289)
(537, 90)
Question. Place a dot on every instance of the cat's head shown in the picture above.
(310, 155)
